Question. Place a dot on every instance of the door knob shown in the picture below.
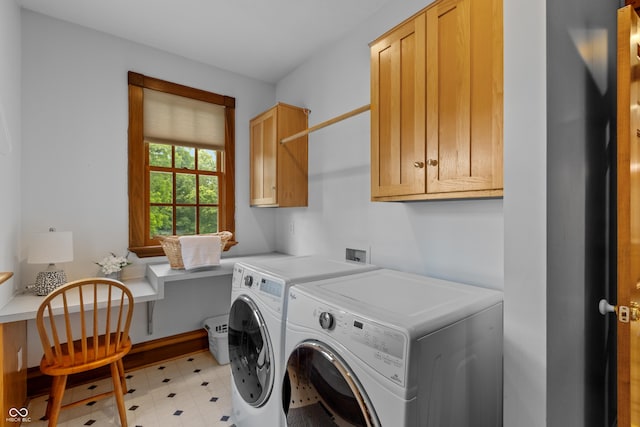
(432, 162)
(604, 307)
(634, 310)
(625, 314)
(418, 165)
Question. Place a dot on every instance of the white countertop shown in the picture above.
(24, 306)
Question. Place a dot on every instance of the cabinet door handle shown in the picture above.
(418, 165)
(432, 162)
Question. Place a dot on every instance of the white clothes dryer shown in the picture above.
(256, 330)
(387, 348)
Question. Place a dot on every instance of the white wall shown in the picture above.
(74, 168)
(525, 214)
(10, 148)
(494, 243)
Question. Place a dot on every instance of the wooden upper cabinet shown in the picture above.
(278, 171)
(437, 104)
(634, 3)
(398, 111)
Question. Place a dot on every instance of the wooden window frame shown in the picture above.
(138, 176)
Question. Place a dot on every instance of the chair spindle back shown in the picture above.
(105, 309)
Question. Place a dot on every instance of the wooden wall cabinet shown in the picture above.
(634, 3)
(279, 171)
(437, 104)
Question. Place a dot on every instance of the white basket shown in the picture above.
(217, 328)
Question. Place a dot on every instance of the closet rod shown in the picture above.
(4, 276)
(326, 123)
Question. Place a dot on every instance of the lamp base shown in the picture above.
(47, 281)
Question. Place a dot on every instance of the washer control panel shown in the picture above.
(268, 289)
(238, 276)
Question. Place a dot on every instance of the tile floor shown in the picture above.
(190, 391)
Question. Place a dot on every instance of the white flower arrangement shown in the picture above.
(112, 263)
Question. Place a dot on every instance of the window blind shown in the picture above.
(174, 119)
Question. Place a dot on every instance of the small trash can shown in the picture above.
(217, 327)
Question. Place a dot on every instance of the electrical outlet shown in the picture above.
(358, 255)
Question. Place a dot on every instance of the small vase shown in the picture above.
(117, 275)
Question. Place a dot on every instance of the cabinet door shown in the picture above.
(263, 154)
(464, 96)
(398, 111)
(293, 157)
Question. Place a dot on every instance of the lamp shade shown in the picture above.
(51, 247)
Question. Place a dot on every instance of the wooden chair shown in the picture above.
(99, 336)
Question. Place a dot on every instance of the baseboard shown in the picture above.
(140, 356)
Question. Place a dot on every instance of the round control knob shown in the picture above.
(326, 320)
(248, 281)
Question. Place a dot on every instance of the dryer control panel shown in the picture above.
(380, 346)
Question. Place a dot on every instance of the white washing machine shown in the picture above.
(387, 348)
(256, 330)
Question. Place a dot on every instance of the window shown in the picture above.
(181, 160)
(183, 189)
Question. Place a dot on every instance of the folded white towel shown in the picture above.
(200, 251)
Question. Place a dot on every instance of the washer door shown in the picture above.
(321, 390)
(250, 352)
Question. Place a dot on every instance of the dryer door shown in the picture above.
(321, 390)
(250, 352)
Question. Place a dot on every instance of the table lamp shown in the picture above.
(50, 248)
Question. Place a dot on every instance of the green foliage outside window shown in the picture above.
(196, 190)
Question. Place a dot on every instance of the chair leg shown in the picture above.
(122, 377)
(118, 393)
(58, 385)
